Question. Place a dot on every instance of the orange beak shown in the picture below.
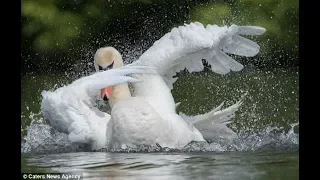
(106, 93)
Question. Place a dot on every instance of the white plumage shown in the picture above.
(71, 109)
(185, 47)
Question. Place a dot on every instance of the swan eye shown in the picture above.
(100, 68)
(107, 68)
(110, 66)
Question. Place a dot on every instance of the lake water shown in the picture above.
(226, 165)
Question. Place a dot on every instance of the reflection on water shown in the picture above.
(231, 165)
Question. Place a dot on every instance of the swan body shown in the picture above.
(148, 115)
(135, 122)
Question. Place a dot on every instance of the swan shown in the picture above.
(183, 48)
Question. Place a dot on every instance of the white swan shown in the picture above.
(184, 47)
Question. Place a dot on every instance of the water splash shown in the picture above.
(263, 142)
(42, 138)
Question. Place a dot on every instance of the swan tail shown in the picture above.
(214, 120)
(216, 116)
(186, 46)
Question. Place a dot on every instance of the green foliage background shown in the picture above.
(58, 33)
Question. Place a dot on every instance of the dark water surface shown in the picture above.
(226, 165)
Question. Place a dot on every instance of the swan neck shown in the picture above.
(119, 92)
(118, 61)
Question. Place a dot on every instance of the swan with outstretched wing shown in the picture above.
(148, 115)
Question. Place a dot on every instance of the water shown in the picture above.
(227, 165)
(268, 146)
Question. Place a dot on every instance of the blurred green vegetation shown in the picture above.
(58, 33)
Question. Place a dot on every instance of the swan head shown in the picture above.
(107, 58)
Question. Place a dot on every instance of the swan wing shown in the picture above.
(186, 46)
(71, 109)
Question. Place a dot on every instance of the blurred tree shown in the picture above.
(58, 33)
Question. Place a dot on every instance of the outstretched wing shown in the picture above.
(70, 109)
(186, 47)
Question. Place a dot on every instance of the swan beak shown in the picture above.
(106, 93)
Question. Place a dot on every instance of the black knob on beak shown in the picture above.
(105, 98)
